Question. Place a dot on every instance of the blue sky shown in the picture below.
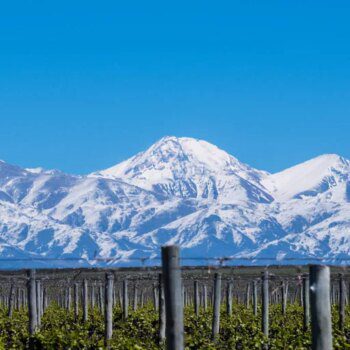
(86, 84)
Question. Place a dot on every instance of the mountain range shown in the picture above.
(182, 191)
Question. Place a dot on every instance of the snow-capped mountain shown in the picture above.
(189, 168)
(180, 190)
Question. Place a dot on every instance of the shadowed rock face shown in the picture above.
(182, 191)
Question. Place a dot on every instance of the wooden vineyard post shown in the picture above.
(11, 299)
(142, 297)
(196, 297)
(205, 297)
(101, 301)
(125, 299)
(24, 297)
(321, 325)
(306, 302)
(161, 309)
(19, 299)
(247, 297)
(38, 302)
(155, 297)
(45, 300)
(301, 291)
(173, 298)
(76, 301)
(284, 294)
(32, 309)
(229, 298)
(114, 297)
(341, 301)
(135, 297)
(183, 295)
(92, 296)
(109, 307)
(69, 296)
(19, 296)
(85, 300)
(216, 305)
(255, 297)
(42, 301)
(265, 306)
(120, 297)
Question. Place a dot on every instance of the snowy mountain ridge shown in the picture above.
(180, 190)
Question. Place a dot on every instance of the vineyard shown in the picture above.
(60, 330)
(220, 308)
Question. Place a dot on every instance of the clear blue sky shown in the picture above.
(86, 84)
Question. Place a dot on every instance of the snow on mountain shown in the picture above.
(311, 178)
(182, 191)
(189, 168)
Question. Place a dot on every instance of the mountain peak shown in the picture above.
(184, 167)
(330, 160)
(191, 149)
(178, 154)
(313, 176)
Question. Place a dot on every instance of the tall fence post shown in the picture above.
(11, 299)
(85, 300)
(161, 309)
(155, 297)
(69, 297)
(125, 299)
(173, 300)
(101, 300)
(306, 301)
(216, 305)
(76, 300)
(341, 301)
(92, 297)
(45, 300)
(247, 296)
(255, 297)
(284, 295)
(265, 306)
(205, 297)
(18, 298)
(109, 307)
(196, 297)
(135, 297)
(229, 298)
(321, 325)
(32, 309)
(38, 302)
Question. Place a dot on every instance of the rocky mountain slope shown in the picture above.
(183, 191)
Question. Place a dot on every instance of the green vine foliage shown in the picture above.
(59, 330)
